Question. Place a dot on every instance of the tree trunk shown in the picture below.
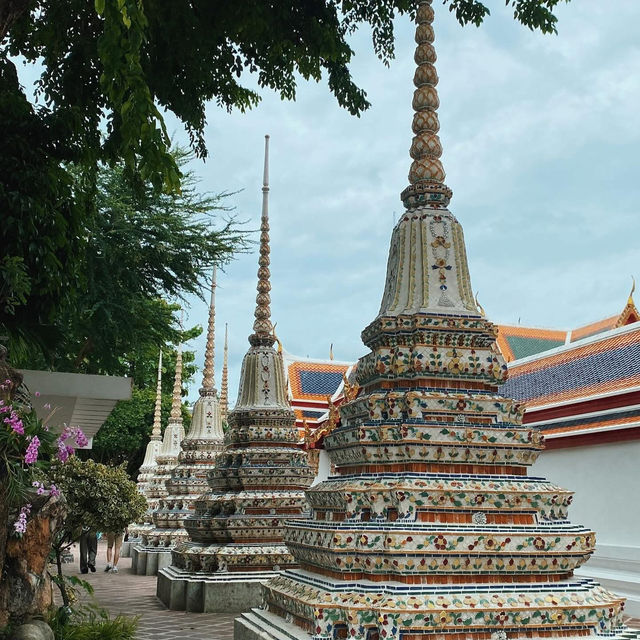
(4, 517)
(25, 588)
(10, 11)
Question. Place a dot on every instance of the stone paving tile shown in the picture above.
(133, 595)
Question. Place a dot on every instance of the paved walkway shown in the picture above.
(126, 593)
(134, 595)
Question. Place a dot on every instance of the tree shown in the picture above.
(41, 221)
(124, 61)
(123, 437)
(99, 497)
(138, 248)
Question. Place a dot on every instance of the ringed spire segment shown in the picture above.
(208, 374)
(176, 396)
(426, 175)
(262, 327)
(156, 432)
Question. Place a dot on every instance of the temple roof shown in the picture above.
(517, 342)
(311, 382)
(583, 386)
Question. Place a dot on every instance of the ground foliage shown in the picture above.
(93, 623)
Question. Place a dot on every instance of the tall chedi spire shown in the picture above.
(426, 276)
(224, 385)
(174, 433)
(257, 483)
(156, 430)
(167, 459)
(208, 373)
(148, 466)
(430, 528)
(200, 448)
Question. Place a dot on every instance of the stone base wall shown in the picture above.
(147, 561)
(206, 593)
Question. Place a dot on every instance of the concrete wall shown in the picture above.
(606, 482)
(324, 467)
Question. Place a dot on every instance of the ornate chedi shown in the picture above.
(166, 460)
(200, 448)
(431, 527)
(257, 483)
(149, 465)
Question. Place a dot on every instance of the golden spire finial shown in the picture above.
(482, 312)
(426, 176)
(633, 289)
(208, 373)
(262, 327)
(156, 432)
(349, 391)
(176, 396)
(275, 337)
(224, 386)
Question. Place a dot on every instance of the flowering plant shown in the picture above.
(27, 449)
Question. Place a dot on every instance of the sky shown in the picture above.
(540, 135)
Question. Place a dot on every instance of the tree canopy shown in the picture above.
(100, 497)
(111, 68)
(101, 306)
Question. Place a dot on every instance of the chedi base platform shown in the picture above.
(147, 561)
(225, 592)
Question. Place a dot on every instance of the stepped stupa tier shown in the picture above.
(430, 527)
(255, 486)
(200, 448)
(166, 460)
(149, 465)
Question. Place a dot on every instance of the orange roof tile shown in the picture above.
(314, 380)
(596, 424)
(593, 328)
(517, 342)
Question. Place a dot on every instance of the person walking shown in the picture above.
(114, 543)
(88, 550)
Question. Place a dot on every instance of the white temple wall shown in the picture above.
(324, 467)
(606, 481)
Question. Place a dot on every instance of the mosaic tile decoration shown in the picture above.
(430, 527)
